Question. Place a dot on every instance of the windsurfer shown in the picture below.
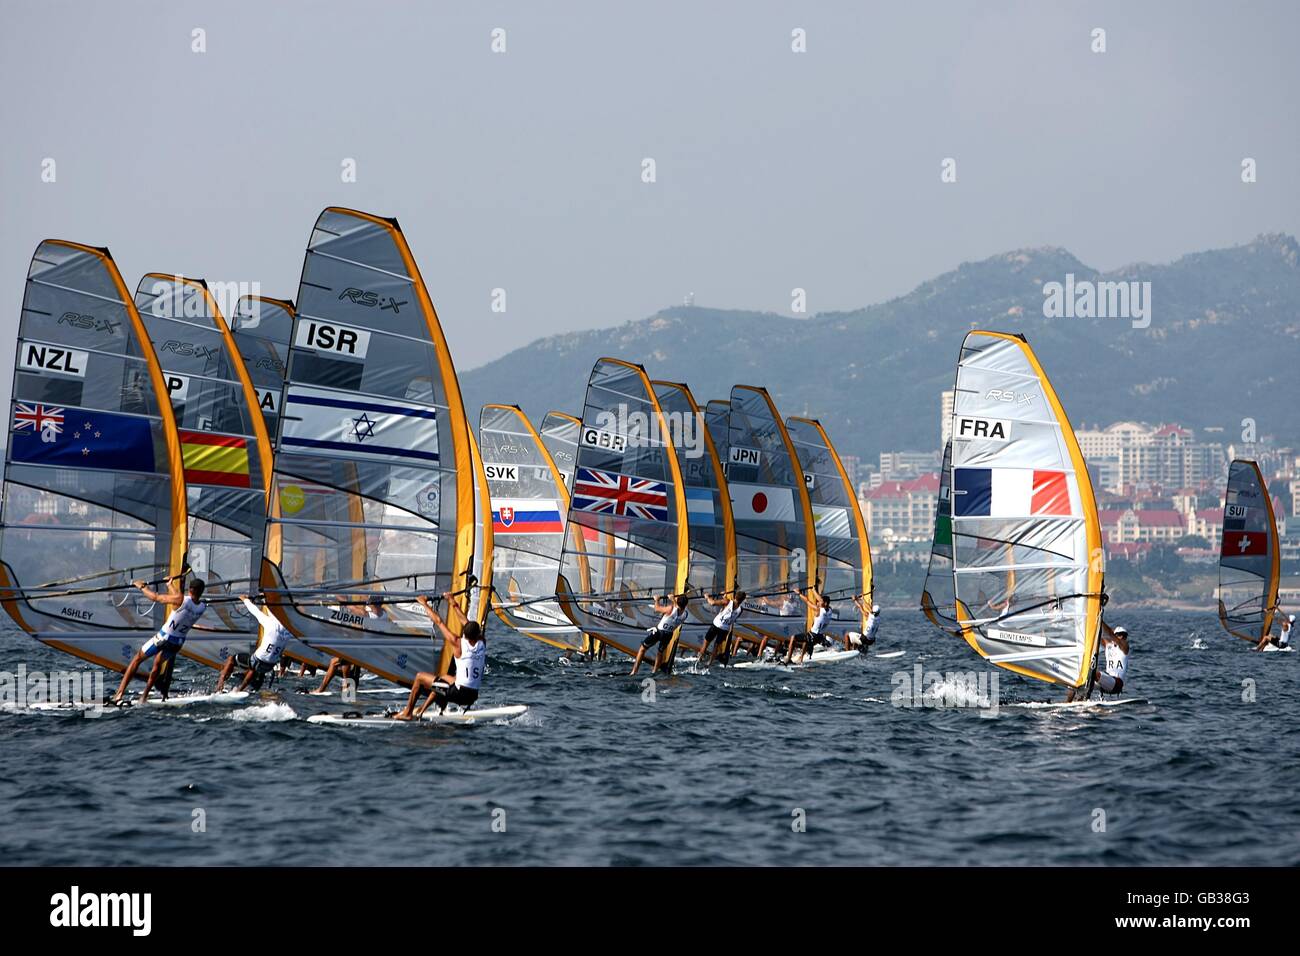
(263, 660)
(1281, 641)
(674, 615)
(469, 651)
(168, 641)
(872, 625)
(719, 632)
(1110, 679)
(817, 635)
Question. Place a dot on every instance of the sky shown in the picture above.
(522, 170)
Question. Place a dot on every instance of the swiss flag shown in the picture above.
(1244, 543)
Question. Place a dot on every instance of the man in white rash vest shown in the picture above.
(810, 639)
(338, 666)
(868, 635)
(1110, 680)
(275, 637)
(674, 615)
(167, 642)
(1283, 640)
(469, 653)
(719, 631)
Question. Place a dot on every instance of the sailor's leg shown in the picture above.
(128, 675)
(422, 680)
(227, 669)
(438, 691)
(154, 673)
(330, 671)
(636, 665)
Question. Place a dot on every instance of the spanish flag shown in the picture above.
(215, 459)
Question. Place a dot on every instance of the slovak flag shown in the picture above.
(526, 516)
(1009, 493)
(1244, 543)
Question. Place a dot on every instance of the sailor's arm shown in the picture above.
(454, 610)
(172, 598)
(453, 640)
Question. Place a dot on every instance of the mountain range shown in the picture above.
(1223, 345)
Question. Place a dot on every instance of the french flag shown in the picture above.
(526, 516)
(1009, 493)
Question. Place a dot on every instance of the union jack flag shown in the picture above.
(605, 492)
(39, 418)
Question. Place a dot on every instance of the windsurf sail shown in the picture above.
(712, 533)
(937, 598)
(374, 480)
(844, 570)
(226, 453)
(1026, 542)
(776, 544)
(1248, 555)
(559, 433)
(94, 491)
(262, 329)
(628, 496)
(528, 514)
(717, 416)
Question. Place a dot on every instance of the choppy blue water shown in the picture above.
(714, 770)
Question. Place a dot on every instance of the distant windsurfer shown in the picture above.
(166, 644)
(724, 622)
(817, 635)
(1110, 679)
(469, 653)
(1281, 641)
(263, 660)
(674, 616)
(346, 669)
(872, 625)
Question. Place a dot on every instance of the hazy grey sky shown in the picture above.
(522, 170)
